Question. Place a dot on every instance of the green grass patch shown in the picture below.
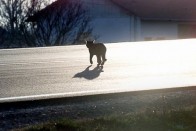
(181, 120)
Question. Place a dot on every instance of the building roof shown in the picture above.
(101, 4)
(174, 10)
(47, 10)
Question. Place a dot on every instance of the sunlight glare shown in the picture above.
(157, 63)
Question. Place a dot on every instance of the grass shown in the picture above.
(174, 120)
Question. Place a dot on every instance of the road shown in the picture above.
(64, 71)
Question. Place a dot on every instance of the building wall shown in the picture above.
(109, 30)
(110, 23)
(159, 30)
(187, 30)
(103, 8)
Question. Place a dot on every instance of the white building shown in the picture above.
(110, 23)
(162, 19)
(138, 20)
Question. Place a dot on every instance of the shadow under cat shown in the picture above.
(89, 74)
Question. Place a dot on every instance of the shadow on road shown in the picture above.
(89, 74)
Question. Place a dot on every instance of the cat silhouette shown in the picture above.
(97, 49)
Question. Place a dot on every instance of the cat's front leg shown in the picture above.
(91, 57)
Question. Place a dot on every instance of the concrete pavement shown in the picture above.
(64, 71)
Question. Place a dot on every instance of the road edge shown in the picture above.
(75, 99)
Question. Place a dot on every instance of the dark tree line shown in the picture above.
(32, 23)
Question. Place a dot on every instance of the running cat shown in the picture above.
(97, 49)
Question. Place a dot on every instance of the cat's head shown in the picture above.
(89, 43)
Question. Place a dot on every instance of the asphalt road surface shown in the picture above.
(64, 71)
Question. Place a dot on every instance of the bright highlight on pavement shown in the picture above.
(64, 71)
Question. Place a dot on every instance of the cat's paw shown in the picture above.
(103, 62)
(99, 63)
(91, 62)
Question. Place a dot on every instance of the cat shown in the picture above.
(97, 49)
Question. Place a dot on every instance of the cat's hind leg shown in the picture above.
(103, 59)
(98, 59)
